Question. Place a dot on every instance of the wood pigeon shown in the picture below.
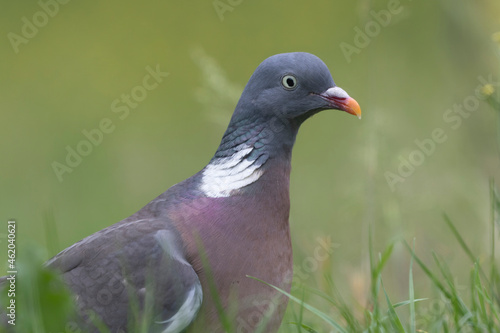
(183, 261)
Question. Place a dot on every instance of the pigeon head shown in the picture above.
(292, 87)
(281, 94)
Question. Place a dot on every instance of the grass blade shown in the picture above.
(428, 272)
(317, 312)
(459, 238)
(223, 317)
(307, 328)
(403, 303)
(394, 319)
(494, 276)
(384, 257)
(412, 294)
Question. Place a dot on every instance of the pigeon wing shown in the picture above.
(133, 269)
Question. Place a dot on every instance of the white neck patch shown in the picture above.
(224, 175)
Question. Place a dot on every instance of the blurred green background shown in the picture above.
(63, 79)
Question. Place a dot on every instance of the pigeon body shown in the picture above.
(190, 250)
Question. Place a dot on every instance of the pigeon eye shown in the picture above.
(289, 82)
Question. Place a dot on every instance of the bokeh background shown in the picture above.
(405, 74)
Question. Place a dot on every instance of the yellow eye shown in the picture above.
(289, 82)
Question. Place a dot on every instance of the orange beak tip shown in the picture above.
(352, 107)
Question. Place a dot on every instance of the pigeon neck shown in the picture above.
(247, 152)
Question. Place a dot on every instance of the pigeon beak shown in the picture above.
(338, 99)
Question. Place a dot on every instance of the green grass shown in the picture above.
(476, 309)
(44, 305)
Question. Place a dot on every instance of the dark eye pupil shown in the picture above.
(290, 82)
